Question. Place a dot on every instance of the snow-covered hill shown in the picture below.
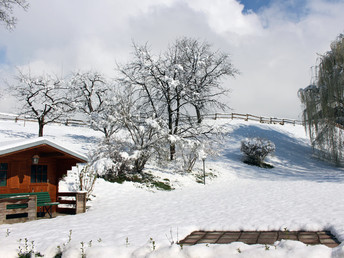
(125, 220)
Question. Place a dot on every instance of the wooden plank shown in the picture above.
(66, 210)
(66, 194)
(51, 203)
(16, 206)
(15, 201)
(80, 203)
(32, 207)
(16, 211)
(16, 220)
(14, 197)
(67, 201)
(2, 212)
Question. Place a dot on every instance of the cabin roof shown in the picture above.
(8, 148)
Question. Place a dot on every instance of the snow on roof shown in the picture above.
(25, 144)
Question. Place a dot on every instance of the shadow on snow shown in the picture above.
(292, 160)
(23, 135)
(83, 138)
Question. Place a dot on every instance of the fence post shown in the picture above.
(80, 199)
(246, 117)
(3, 205)
(32, 207)
(215, 116)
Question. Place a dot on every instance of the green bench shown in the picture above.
(43, 200)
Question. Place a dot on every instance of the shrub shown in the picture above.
(256, 150)
(87, 177)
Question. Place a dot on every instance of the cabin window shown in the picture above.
(3, 174)
(39, 173)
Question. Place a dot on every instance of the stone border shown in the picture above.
(260, 237)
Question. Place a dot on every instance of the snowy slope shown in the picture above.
(300, 192)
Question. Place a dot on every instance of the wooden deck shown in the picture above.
(260, 237)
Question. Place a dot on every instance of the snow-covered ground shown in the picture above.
(124, 220)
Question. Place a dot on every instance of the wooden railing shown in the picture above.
(18, 118)
(232, 116)
(71, 202)
(249, 117)
(31, 209)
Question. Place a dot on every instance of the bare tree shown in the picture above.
(43, 98)
(6, 11)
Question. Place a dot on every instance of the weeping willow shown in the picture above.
(323, 103)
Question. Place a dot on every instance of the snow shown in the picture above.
(125, 220)
(28, 143)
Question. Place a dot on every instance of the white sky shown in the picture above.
(273, 47)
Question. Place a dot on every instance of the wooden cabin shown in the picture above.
(35, 165)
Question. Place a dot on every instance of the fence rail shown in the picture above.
(17, 118)
(249, 117)
(215, 116)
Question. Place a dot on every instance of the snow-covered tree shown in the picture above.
(200, 73)
(88, 91)
(323, 104)
(42, 97)
(147, 135)
(130, 149)
(6, 11)
(105, 120)
(93, 97)
(185, 77)
(137, 140)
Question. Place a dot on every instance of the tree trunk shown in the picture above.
(172, 151)
(198, 113)
(40, 127)
(106, 134)
(170, 129)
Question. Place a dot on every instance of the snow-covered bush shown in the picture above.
(256, 150)
(111, 160)
(189, 150)
(87, 179)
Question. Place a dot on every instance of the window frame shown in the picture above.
(3, 171)
(39, 175)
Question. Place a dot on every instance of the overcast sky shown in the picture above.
(273, 43)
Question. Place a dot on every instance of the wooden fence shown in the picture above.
(231, 116)
(249, 117)
(18, 118)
